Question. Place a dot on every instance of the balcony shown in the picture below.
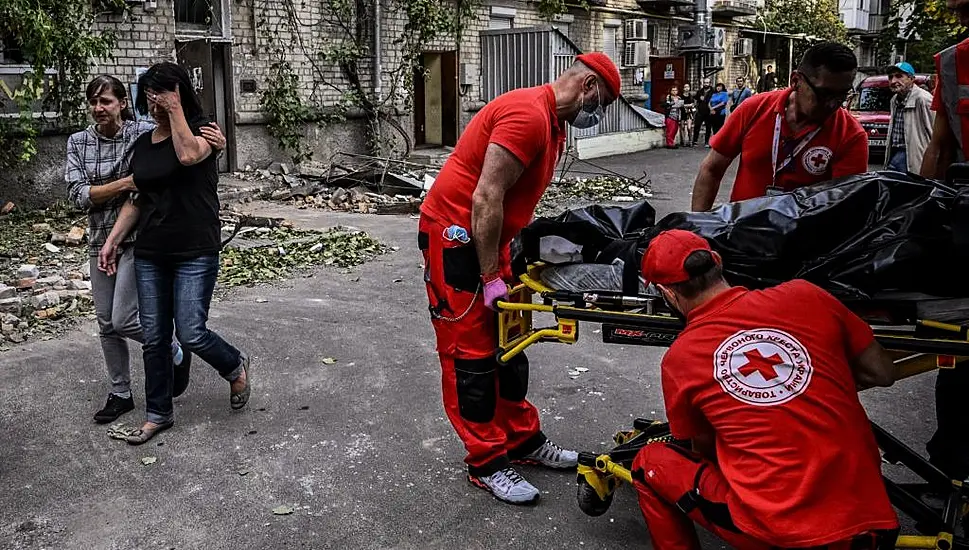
(734, 8)
(663, 5)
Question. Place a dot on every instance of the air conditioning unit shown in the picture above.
(714, 61)
(636, 29)
(636, 54)
(743, 47)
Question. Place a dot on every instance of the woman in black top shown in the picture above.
(178, 244)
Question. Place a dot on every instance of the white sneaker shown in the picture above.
(507, 485)
(551, 455)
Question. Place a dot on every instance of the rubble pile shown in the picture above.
(266, 254)
(46, 273)
(571, 191)
(371, 186)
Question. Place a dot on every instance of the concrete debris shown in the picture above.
(51, 248)
(75, 236)
(41, 227)
(28, 271)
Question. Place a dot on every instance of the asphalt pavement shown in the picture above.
(360, 449)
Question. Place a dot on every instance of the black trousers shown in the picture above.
(716, 121)
(702, 119)
(949, 447)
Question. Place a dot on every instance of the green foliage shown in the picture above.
(58, 36)
(287, 113)
(929, 29)
(814, 18)
(548, 9)
(345, 30)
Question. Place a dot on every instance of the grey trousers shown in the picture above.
(116, 306)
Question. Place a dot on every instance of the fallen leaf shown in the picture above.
(283, 510)
(581, 369)
(148, 460)
(328, 360)
(243, 472)
(261, 300)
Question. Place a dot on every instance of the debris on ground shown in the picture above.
(350, 183)
(266, 254)
(121, 431)
(149, 460)
(283, 510)
(572, 191)
(45, 264)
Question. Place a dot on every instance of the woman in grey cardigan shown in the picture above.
(99, 181)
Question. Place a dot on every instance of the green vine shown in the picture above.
(52, 35)
(548, 9)
(346, 28)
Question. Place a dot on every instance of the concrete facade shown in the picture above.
(154, 31)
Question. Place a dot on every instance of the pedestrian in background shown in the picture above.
(739, 94)
(178, 244)
(910, 125)
(98, 177)
(718, 108)
(689, 112)
(703, 117)
(674, 112)
(768, 81)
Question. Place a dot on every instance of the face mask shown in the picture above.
(676, 313)
(590, 115)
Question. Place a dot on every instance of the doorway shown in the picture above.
(665, 72)
(209, 64)
(436, 100)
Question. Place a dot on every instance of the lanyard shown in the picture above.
(777, 143)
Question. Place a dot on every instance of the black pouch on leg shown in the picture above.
(513, 379)
(477, 395)
(461, 268)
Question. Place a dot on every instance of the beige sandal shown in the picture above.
(240, 399)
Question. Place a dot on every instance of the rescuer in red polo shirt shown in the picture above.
(789, 138)
(763, 385)
(485, 194)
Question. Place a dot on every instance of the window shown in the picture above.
(196, 16)
(609, 41)
(500, 22)
(10, 52)
(562, 27)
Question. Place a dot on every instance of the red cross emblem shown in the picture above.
(758, 363)
(819, 160)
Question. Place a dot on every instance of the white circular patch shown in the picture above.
(816, 160)
(762, 366)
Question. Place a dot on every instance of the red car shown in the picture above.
(871, 106)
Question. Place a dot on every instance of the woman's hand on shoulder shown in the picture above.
(213, 134)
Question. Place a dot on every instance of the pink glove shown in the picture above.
(495, 290)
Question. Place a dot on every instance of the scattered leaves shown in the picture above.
(329, 361)
(283, 510)
(260, 264)
(569, 192)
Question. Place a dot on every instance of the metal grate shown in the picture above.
(520, 58)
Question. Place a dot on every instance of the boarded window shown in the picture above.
(498, 23)
(609, 43)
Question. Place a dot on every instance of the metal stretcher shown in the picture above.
(918, 347)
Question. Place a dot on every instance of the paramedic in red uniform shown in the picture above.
(789, 138)
(763, 384)
(485, 194)
(949, 447)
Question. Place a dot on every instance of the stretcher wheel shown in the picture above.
(589, 501)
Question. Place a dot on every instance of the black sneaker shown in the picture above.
(182, 374)
(115, 407)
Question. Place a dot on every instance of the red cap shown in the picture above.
(666, 254)
(605, 68)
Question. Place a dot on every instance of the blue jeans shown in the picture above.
(898, 161)
(179, 290)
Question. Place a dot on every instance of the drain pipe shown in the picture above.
(377, 59)
(703, 15)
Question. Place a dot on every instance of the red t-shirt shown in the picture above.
(839, 149)
(767, 373)
(525, 123)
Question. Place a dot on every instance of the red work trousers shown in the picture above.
(484, 401)
(672, 129)
(664, 474)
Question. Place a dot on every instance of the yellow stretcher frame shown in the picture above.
(516, 332)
